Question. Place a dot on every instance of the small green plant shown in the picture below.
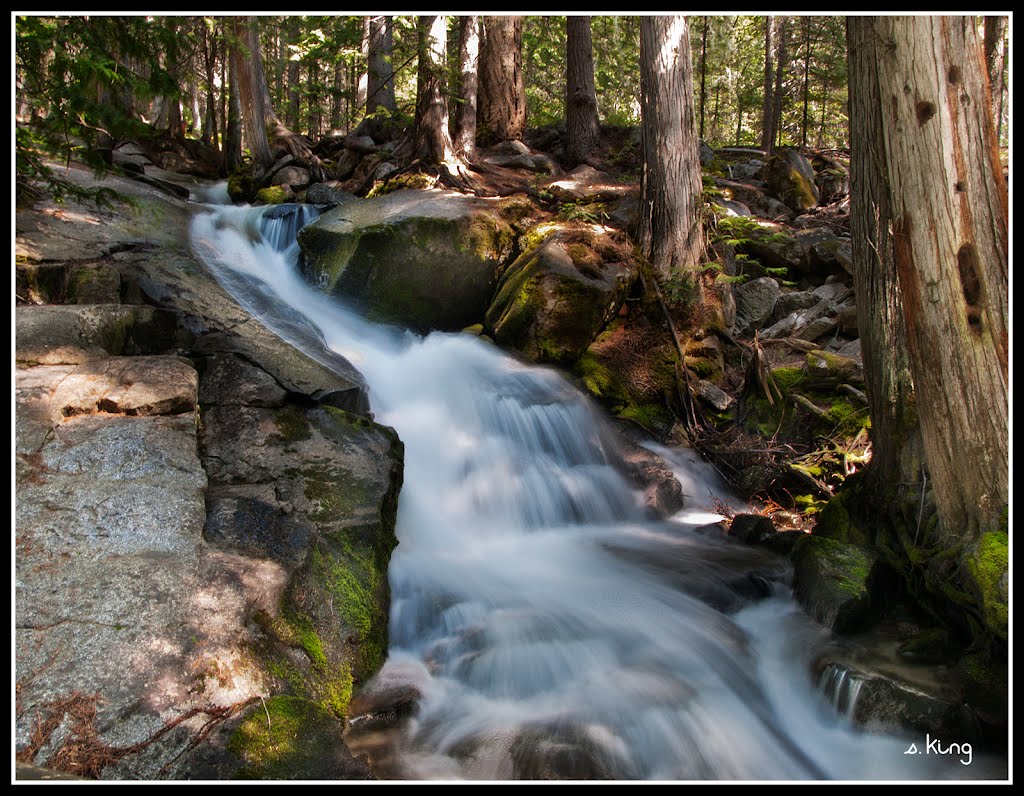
(580, 211)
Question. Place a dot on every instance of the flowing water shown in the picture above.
(546, 624)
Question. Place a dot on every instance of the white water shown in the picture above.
(549, 625)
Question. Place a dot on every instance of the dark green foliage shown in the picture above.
(78, 82)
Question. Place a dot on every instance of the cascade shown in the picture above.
(547, 625)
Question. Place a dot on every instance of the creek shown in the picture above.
(546, 624)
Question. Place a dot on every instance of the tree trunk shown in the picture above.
(781, 30)
(251, 90)
(502, 101)
(951, 254)
(807, 80)
(671, 235)
(582, 124)
(233, 130)
(995, 60)
(464, 129)
(703, 72)
(950, 207)
(433, 142)
(768, 106)
(380, 79)
(292, 113)
(896, 464)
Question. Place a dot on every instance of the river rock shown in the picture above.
(181, 612)
(832, 581)
(426, 259)
(556, 297)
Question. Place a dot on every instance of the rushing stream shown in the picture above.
(549, 626)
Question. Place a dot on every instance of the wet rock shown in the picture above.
(751, 528)
(429, 260)
(832, 580)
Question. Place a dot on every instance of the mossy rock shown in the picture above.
(790, 177)
(834, 522)
(599, 371)
(987, 562)
(556, 297)
(273, 195)
(833, 580)
(429, 260)
(290, 738)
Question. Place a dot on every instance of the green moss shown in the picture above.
(272, 195)
(849, 419)
(292, 424)
(787, 378)
(284, 737)
(835, 523)
(489, 237)
(988, 564)
(241, 186)
(416, 182)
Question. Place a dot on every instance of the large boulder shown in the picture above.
(204, 518)
(424, 259)
(790, 178)
(558, 295)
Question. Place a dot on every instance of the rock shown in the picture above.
(167, 599)
(788, 303)
(832, 581)
(663, 494)
(556, 297)
(790, 178)
(755, 301)
(752, 197)
(134, 386)
(426, 259)
(332, 382)
(706, 154)
(749, 170)
(65, 334)
(717, 398)
(325, 193)
(817, 328)
(834, 293)
(752, 528)
(820, 250)
(824, 365)
(585, 183)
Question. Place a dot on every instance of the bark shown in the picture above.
(380, 82)
(782, 28)
(433, 141)
(807, 80)
(502, 100)
(895, 435)
(995, 61)
(464, 128)
(292, 112)
(582, 124)
(671, 234)
(233, 131)
(251, 91)
(768, 106)
(703, 71)
(950, 208)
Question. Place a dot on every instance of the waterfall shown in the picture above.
(548, 626)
